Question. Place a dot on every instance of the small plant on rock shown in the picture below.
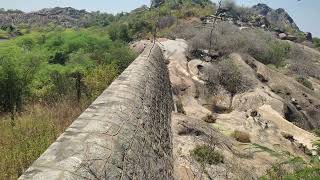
(304, 81)
(207, 155)
(209, 118)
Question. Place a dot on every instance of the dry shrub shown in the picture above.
(213, 74)
(303, 63)
(241, 136)
(209, 118)
(228, 38)
(304, 69)
(185, 30)
(304, 81)
(288, 136)
(166, 21)
(231, 78)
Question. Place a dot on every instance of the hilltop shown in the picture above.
(17, 22)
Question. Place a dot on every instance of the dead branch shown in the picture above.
(213, 25)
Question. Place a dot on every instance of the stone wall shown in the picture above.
(124, 134)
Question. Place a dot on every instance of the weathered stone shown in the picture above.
(282, 36)
(308, 36)
(291, 38)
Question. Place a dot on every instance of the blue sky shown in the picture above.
(306, 13)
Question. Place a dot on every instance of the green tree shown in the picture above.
(11, 87)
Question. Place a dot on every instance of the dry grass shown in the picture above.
(32, 134)
(207, 155)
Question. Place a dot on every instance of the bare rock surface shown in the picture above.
(260, 112)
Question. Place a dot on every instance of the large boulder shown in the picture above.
(282, 36)
(308, 36)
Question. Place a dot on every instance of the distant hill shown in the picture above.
(157, 3)
(66, 17)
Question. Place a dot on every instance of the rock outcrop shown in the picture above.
(278, 18)
(274, 123)
(260, 15)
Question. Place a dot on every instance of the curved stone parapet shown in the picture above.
(124, 134)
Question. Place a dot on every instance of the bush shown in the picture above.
(276, 53)
(304, 81)
(98, 79)
(207, 155)
(165, 22)
(121, 56)
(119, 32)
(241, 136)
(12, 86)
(27, 43)
(316, 42)
(227, 38)
(231, 78)
(302, 62)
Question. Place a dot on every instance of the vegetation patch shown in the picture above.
(316, 42)
(46, 80)
(316, 132)
(3, 34)
(294, 168)
(231, 77)
(34, 131)
(304, 81)
(207, 155)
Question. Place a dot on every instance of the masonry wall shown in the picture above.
(124, 134)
